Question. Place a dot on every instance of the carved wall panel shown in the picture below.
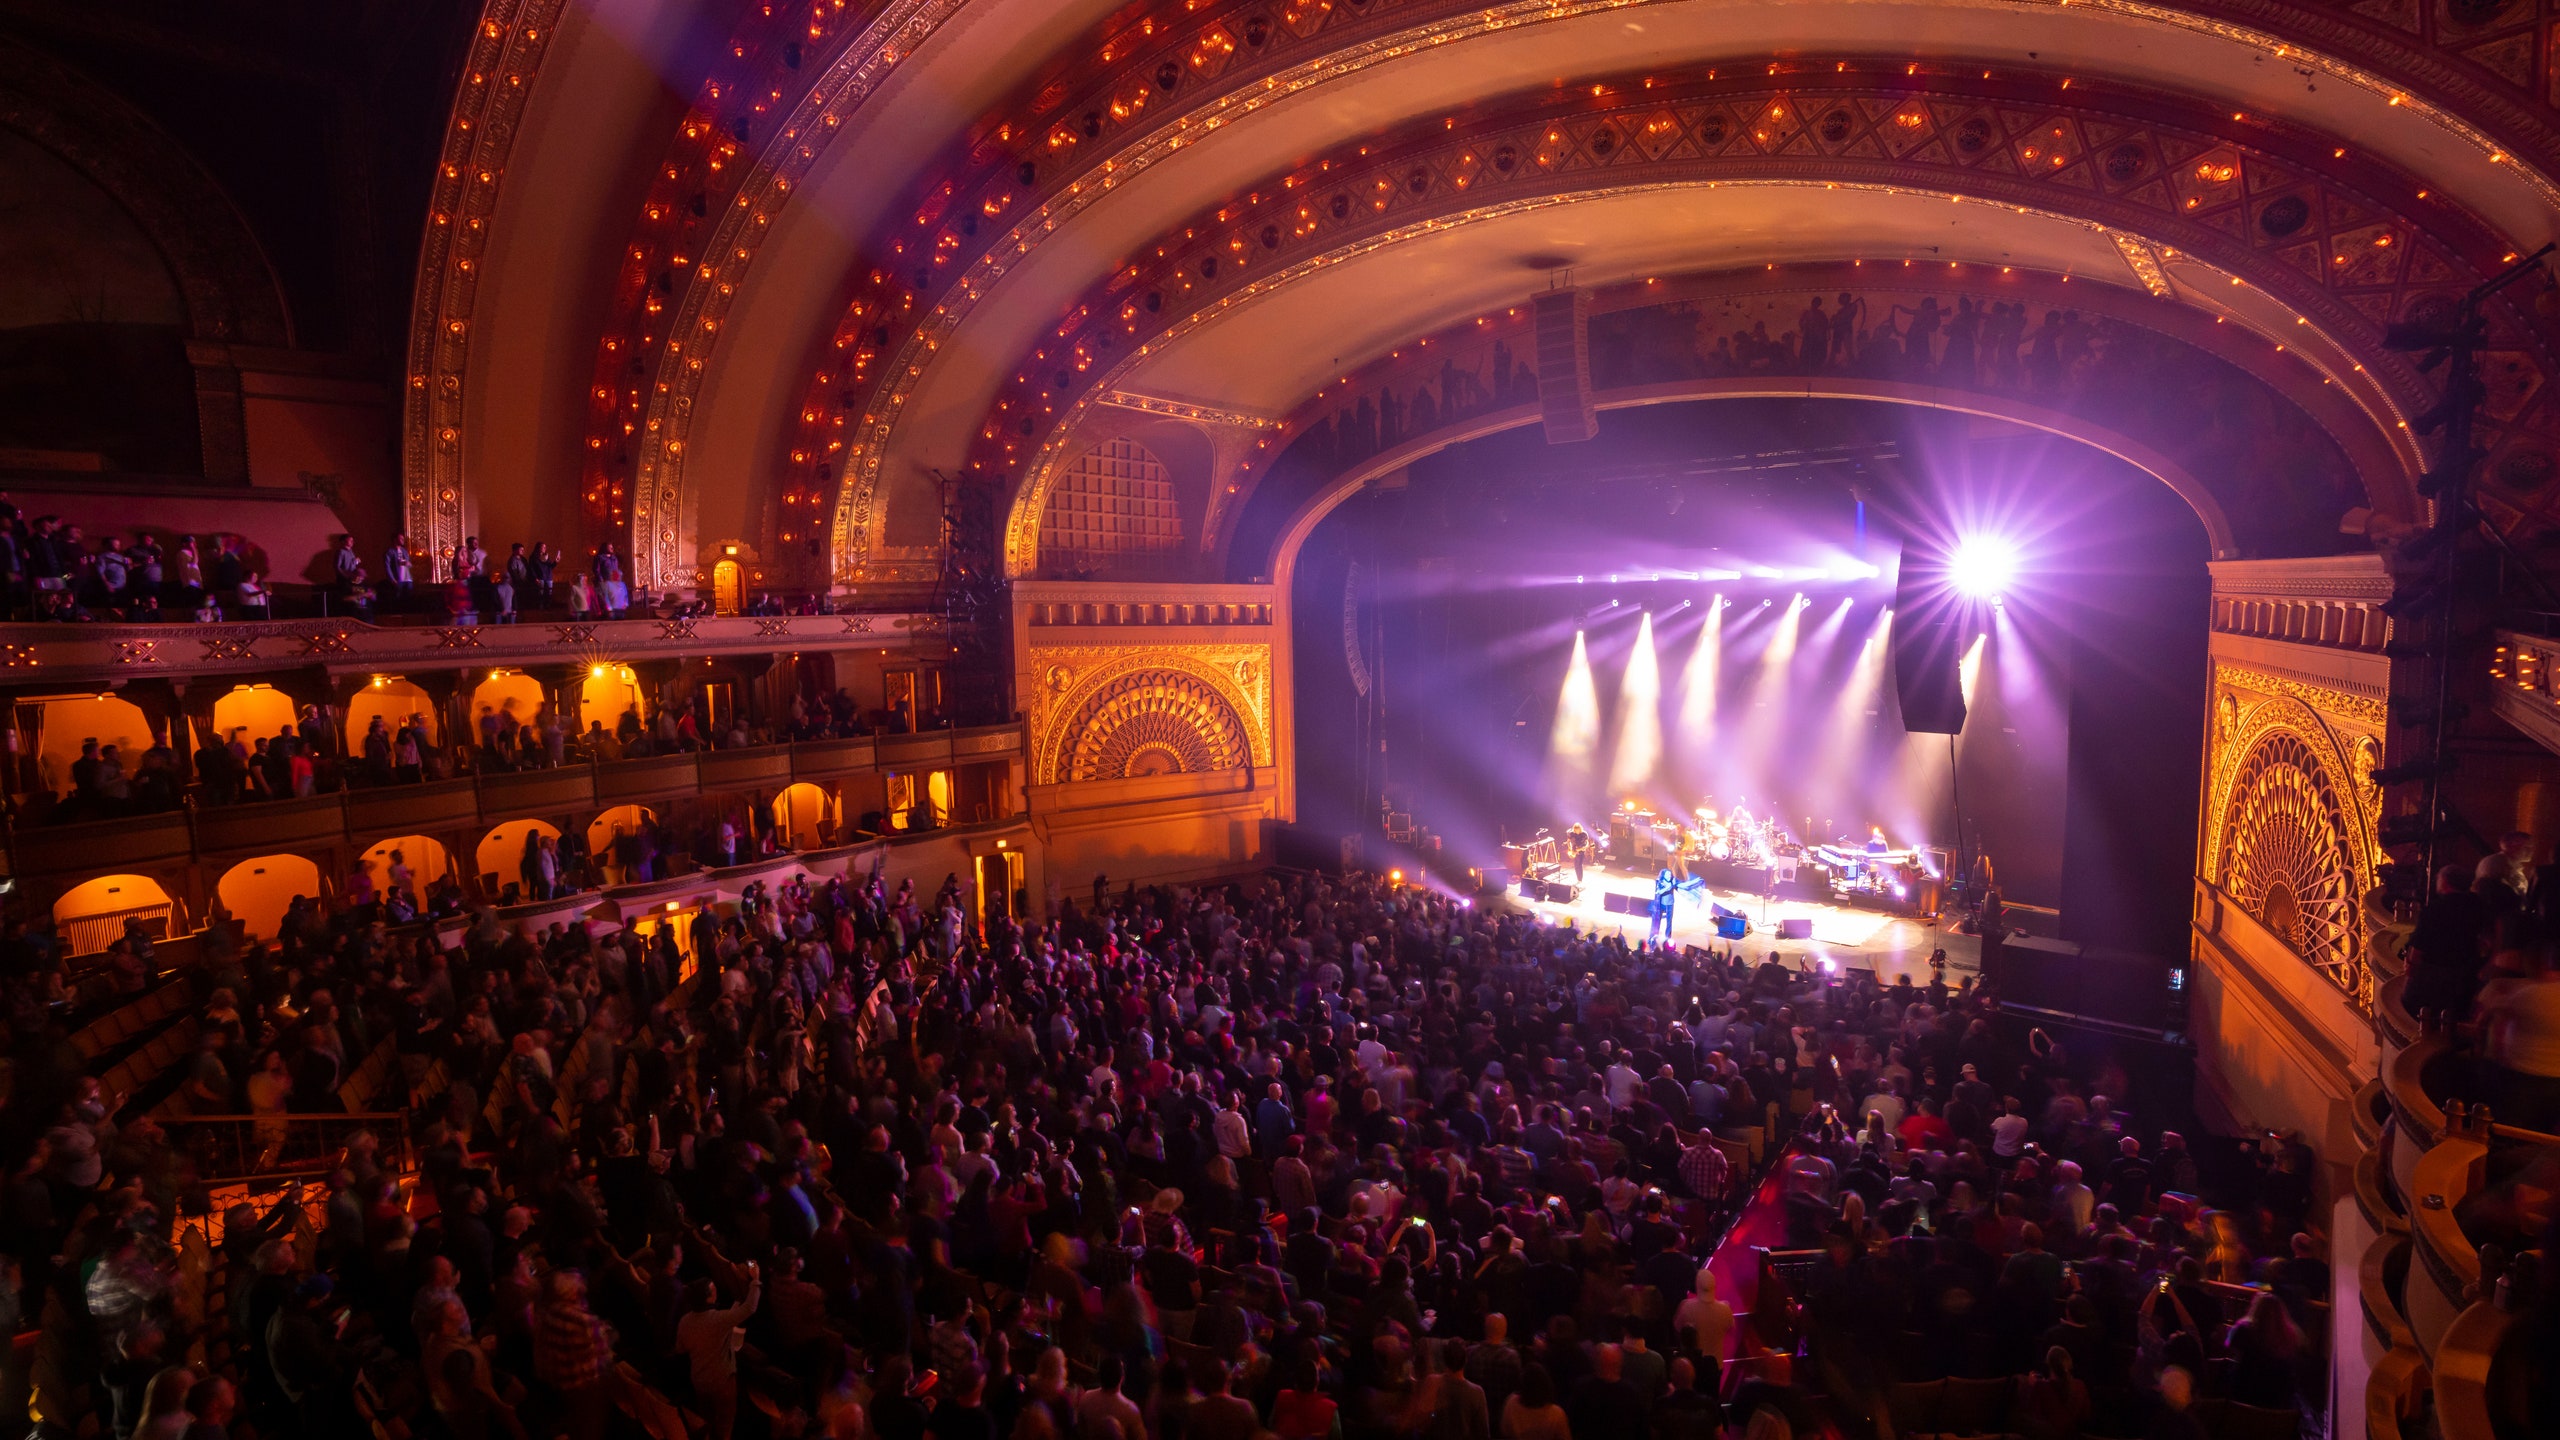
(2290, 815)
(1119, 713)
(2343, 242)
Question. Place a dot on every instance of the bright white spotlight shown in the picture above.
(1983, 566)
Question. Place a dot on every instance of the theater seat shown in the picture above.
(2235, 1420)
(1915, 1406)
(1975, 1407)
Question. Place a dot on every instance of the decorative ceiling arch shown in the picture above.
(741, 152)
(1304, 510)
(1057, 150)
(230, 291)
(497, 79)
(2206, 412)
(2459, 71)
(2342, 244)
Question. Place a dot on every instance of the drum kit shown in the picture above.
(1738, 839)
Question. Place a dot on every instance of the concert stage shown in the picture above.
(1851, 938)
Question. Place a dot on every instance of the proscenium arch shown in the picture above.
(2311, 158)
(1281, 234)
(1311, 511)
(2345, 54)
(1227, 93)
(1662, 329)
(1022, 533)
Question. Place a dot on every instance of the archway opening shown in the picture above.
(68, 725)
(395, 702)
(1695, 612)
(257, 892)
(617, 841)
(806, 815)
(505, 696)
(92, 915)
(257, 712)
(608, 694)
(501, 853)
(414, 863)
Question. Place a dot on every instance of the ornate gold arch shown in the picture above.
(1095, 710)
(660, 508)
(2343, 245)
(2290, 816)
(497, 80)
(1215, 65)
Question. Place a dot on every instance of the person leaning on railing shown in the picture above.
(2519, 1020)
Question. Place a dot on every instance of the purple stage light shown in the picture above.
(1983, 566)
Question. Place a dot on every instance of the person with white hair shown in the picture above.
(2073, 1202)
(1704, 1319)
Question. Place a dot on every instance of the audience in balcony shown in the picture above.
(51, 571)
(1313, 1157)
(2485, 954)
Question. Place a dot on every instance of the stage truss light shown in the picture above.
(1983, 567)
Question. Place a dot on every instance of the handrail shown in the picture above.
(2392, 1014)
(87, 844)
(2463, 1360)
(2450, 1170)
(231, 1146)
(2393, 1393)
(2360, 1112)
(2403, 1080)
(2374, 1198)
(2382, 1312)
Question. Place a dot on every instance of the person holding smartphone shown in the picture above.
(710, 1336)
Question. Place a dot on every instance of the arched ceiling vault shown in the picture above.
(1130, 124)
(222, 274)
(1448, 387)
(1347, 253)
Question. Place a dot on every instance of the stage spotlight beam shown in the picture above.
(1575, 743)
(1639, 752)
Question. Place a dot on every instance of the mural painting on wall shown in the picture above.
(2282, 480)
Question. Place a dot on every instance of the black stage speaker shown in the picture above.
(2115, 985)
(1928, 653)
(1733, 927)
(1798, 928)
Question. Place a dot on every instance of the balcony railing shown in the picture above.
(2524, 684)
(364, 816)
(74, 654)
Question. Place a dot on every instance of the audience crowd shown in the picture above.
(2486, 954)
(50, 570)
(1293, 1157)
(307, 757)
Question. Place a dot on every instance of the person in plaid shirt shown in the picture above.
(573, 1354)
(1705, 1170)
(1510, 1165)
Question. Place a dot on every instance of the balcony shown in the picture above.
(360, 817)
(2524, 689)
(2429, 1279)
(95, 655)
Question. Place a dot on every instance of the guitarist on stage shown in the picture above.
(1666, 897)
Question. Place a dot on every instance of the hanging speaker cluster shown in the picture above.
(1928, 652)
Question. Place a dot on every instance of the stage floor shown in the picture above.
(1853, 939)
